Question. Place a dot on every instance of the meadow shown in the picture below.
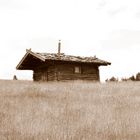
(69, 110)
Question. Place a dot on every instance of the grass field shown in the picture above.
(69, 111)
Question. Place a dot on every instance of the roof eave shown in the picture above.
(104, 64)
(25, 56)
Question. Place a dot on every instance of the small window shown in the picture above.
(77, 69)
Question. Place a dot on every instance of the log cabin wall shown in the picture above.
(44, 72)
(86, 72)
(90, 72)
(51, 73)
(61, 71)
(40, 73)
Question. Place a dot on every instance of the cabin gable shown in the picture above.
(30, 61)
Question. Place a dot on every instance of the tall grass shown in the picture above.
(69, 111)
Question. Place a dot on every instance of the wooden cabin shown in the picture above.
(60, 67)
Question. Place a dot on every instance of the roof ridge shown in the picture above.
(67, 55)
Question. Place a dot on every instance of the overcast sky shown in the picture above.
(109, 29)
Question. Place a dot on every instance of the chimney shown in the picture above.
(59, 48)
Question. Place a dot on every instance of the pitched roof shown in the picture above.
(62, 57)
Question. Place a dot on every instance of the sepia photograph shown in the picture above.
(70, 70)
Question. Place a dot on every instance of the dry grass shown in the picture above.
(69, 111)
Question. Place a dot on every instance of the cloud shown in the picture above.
(120, 39)
(5, 2)
(116, 11)
(115, 7)
(102, 3)
(138, 14)
(13, 4)
(122, 49)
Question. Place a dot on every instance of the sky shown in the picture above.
(109, 29)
